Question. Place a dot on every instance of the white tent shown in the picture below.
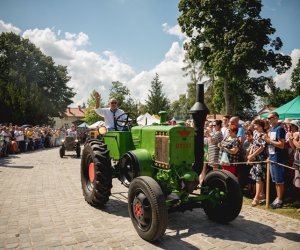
(98, 123)
(83, 125)
(146, 119)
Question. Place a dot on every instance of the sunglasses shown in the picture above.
(113, 102)
(271, 117)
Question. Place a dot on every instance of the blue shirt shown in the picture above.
(277, 154)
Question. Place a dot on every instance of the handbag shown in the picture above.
(297, 179)
(296, 164)
(224, 159)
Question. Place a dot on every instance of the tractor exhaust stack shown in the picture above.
(199, 112)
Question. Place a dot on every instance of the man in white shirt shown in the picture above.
(72, 132)
(110, 114)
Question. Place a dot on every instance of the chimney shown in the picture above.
(199, 112)
(79, 108)
(69, 109)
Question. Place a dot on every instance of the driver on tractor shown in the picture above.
(110, 114)
(72, 132)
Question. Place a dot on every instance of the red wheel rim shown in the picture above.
(91, 172)
(138, 210)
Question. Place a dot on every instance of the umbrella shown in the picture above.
(26, 126)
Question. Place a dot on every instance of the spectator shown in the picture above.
(214, 137)
(6, 138)
(29, 135)
(242, 169)
(230, 146)
(276, 141)
(258, 154)
(225, 125)
(294, 139)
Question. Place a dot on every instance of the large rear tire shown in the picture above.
(147, 208)
(230, 206)
(96, 173)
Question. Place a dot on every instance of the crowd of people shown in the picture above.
(243, 149)
(16, 139)
(239, 148)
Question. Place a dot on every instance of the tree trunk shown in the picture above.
(228, 103)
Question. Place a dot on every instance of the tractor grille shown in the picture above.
(162, 150)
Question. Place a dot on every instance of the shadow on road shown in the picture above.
(22, 167)
(183, 225)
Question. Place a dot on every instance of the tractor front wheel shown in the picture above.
(147, 209)
(78, 150)
(96, 173)
(62, 151)
(228, 207)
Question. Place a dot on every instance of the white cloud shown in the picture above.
(88, 70)
(170, 74)
(8, 27)
(174, 30)
(284, 80)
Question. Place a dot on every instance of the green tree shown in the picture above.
(33, 89)
(230, 39)
(90, 115)
(180, 109)
(157, 100)
(295, 79)
(122, 94)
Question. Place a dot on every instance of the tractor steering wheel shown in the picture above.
(125, 120)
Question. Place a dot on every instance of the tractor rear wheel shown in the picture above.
(147, 208)
(96, 173)
(230, 205)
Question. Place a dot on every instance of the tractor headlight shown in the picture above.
(102, 130)
(76, 140)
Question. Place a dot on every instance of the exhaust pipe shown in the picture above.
(199, 112)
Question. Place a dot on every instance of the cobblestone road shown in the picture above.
(42, 207)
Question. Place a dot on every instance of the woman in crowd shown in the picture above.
(229, 147)
(294, 140)
(257, 153)
(214, 137)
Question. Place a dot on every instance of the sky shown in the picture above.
(101, 41)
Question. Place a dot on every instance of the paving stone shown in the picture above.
(43, 208)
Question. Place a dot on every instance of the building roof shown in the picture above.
(214, 117)
(266, 109)
(75, 112)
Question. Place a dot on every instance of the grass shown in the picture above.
(287, 210)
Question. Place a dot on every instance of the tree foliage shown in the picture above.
(295, 79)
(122, 94)
(230, 39)
(180, 108)
(33, 88)
(157, 100)
(90, 115)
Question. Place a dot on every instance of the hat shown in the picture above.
(287, 120)
(296, 123)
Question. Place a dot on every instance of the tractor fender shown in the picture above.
(144, 160)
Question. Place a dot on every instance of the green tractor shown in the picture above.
(160, 165)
